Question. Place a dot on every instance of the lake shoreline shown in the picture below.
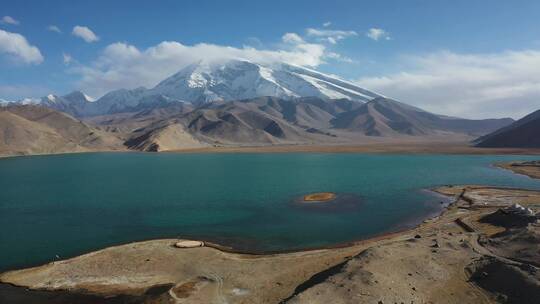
(390, 147)
(244, 250)
(83, 296)
(442, 203)
(467, 206)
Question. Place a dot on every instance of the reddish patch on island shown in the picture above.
(319, 197)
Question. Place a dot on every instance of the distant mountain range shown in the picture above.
(387, 117)
(238, 103)
(205, 82)
(272, 120)
(524, 133)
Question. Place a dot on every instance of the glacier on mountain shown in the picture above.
(204, 82)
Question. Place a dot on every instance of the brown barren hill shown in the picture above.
(524, 133)
(30, 129)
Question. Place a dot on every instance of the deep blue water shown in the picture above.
(70, 204)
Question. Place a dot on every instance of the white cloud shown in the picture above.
(54, 28)
(18, 47)
(327, 24)
(330, 36)
(292, 38)
(9, 20)
(85, 33)
(467, 85)
(125, 66)
(67, 58)
(339, 57)
(378, 34)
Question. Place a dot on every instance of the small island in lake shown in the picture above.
(319, 197)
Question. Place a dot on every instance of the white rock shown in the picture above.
(518, 209)
(188, 244)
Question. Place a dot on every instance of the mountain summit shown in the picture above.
(206, 82)
(237, 79)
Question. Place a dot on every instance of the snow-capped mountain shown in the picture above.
(74, 103)
(4, 102)
(204, 82)
(127, 100)
(237, 79)
(28, 101)
(24, 101)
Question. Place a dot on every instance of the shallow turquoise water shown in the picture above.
(69, 204)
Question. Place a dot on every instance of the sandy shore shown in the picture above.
(531, 169)
(472, 253)
(390, 147)
(384, 147)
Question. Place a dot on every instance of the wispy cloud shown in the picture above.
(331, 36)
(54, 28)
(16, 46)
(466, 85)
(327, 24)
(292, 38)
(9, 20)
(378, 34)
(122, 65)
(339, 57)
(85, 33)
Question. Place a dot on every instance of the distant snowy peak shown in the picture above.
(51, 98)
(89, 98)
(71, 98)
(28, 101)
(74, 103)
(127, 100)
(238, 79)
(24, 101)
(204, 82)
(4, 103)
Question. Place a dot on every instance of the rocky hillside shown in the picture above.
(524, 133)
(32, 129)
(272, 120)
(387, 117)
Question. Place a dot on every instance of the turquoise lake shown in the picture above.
(70, 204)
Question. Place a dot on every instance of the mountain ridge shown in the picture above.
(523, 133)
(206, 82)
(272, 120)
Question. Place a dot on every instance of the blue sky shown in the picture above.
(466, 58)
